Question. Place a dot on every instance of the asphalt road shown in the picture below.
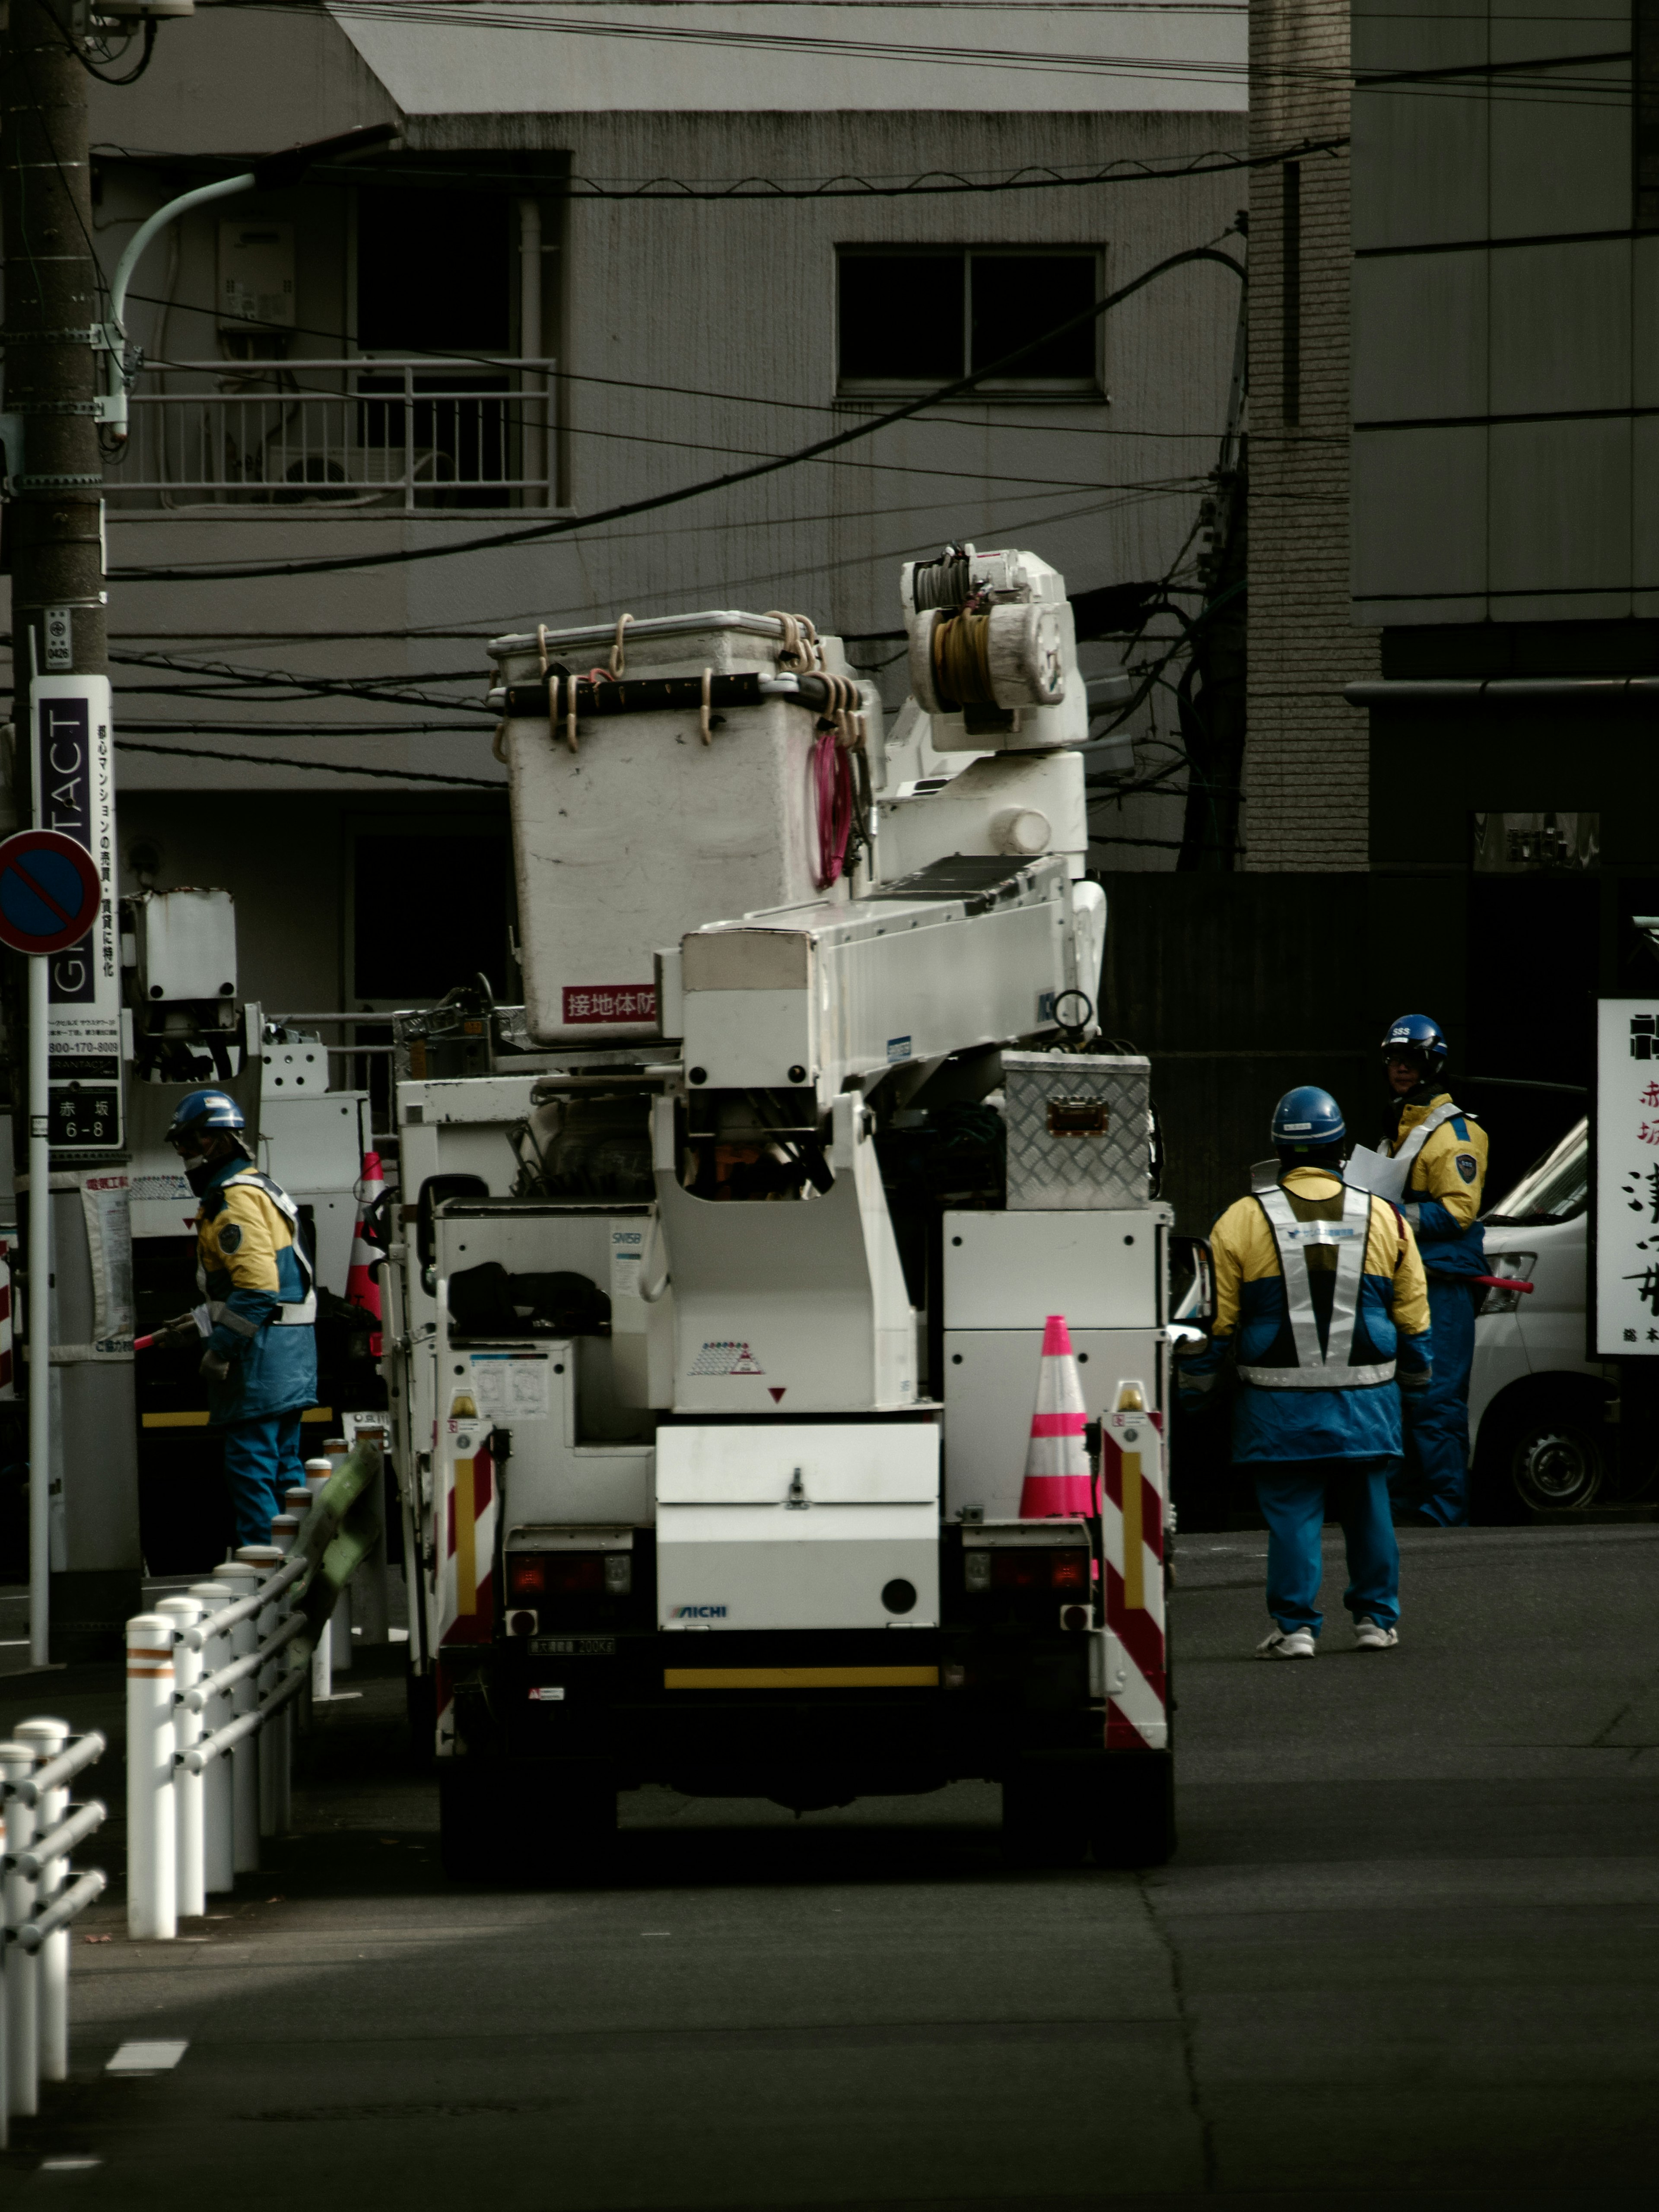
(1407, 1953)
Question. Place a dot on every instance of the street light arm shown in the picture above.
(271, 172)
(139, 242)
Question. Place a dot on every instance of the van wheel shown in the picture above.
(1554, 1456)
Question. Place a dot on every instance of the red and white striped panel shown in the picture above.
(466, 1505)
(1132, 1523)
(7, 1379)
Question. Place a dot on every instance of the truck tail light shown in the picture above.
(526, 1575)
(537, 1575)
(1031, 1568)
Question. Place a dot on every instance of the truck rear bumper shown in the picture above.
(811, 1719)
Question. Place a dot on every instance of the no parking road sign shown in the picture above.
(49, 892)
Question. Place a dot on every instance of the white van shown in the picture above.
(1541, 1414)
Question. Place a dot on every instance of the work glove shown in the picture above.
(172, 1335)
(1414, 1387)
(214, 1367)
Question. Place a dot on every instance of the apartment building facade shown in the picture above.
(605, 258)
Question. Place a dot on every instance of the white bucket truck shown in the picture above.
(721, 1300)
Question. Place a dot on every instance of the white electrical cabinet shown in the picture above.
(185, 944)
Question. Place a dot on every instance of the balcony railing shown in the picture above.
(344, 436)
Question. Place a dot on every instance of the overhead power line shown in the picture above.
(317, 767)
(930, 183)
(957, 387)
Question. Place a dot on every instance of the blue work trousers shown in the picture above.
(1293, 1495)
(262, 1461)
(1435, 1478)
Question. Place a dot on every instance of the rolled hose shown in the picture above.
(962, 665)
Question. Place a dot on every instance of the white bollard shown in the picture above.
(152, 1901)
(22, 2099)
(47, 1738)
(284, 1530)
(272, 1738)
(218, 1782)
(242, 1582)
(189, 1873)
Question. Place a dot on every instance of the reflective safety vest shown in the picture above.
(1406, 1156)
(1330, 1368)
(300, 1313)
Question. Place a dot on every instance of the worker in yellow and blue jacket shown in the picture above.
(259, 1362)
(1321, 1302)
(1442, 1197)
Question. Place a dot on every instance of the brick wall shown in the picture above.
(1305, 769)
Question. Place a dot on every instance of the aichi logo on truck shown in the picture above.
(698, 1612)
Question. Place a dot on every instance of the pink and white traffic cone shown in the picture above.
(1057, 1478)
(362, 1288)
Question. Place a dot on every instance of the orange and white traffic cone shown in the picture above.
(1057, 1478)
(362, 1288)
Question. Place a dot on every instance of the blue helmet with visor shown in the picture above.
(1419, 1037)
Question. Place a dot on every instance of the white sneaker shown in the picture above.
(1288, 1643)
(1369, 1635)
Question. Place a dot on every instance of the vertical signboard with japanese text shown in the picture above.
(74, 769)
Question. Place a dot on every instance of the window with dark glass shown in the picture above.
(918, 319)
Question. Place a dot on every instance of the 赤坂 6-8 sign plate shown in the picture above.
(49, 892)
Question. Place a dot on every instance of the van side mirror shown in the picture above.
(1192, 1281)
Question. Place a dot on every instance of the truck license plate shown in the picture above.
(573, 1647)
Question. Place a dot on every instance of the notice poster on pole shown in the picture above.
(74, 767)
(1625, 1321)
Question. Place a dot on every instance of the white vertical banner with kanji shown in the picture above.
(1626, 1197)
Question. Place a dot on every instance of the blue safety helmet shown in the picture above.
(199, 1111)
(1416, 1036)
(1308, 1120)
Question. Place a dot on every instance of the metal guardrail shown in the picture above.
(352, 434)
(210, 1748)
(42, 1895)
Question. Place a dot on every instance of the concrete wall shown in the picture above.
(1306, 765)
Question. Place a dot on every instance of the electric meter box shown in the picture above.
(187, 945)
(256, 276)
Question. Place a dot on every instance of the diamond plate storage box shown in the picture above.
(1077, 1130)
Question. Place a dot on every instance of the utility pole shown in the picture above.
(83, 1502)
(54, 531)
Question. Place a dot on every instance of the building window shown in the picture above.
(433, 271)
(910, 320)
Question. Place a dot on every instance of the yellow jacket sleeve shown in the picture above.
(241, 1239)
(1436, 1175)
